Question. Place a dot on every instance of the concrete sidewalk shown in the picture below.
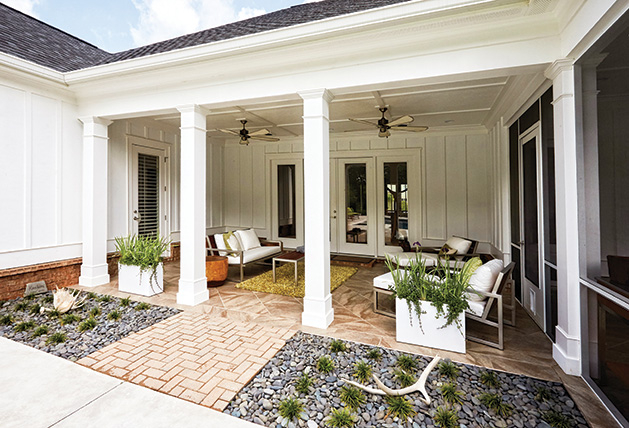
(40, 390)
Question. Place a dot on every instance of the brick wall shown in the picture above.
(56, 274)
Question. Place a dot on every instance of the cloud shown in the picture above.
(25, 6)
(165, 19)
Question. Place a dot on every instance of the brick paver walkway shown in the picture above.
(200, 358)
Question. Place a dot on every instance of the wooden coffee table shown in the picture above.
(293, 257)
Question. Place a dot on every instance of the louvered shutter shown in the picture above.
(148, 194)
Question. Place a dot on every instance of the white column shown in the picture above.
(192, 281)
(94, 269)
(318, 310)
(567, 347)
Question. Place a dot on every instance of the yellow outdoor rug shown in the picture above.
(285, 276)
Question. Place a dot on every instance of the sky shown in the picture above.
(117, 25)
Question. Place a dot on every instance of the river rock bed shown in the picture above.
(259, 400)
(78, 344)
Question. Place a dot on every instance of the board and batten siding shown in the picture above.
(455, 178)
(40, 176)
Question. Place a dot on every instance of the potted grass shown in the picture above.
(430, 306)
(140, 267)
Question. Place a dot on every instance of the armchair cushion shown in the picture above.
(248, 238)
(459, 244)
(483, 279)
(254, 254)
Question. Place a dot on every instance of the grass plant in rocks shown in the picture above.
(327, 401)
(80, 331)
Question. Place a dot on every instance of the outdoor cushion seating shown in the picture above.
(453, 253)
(487, 285)
(242, 247)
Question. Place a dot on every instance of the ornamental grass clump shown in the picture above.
(21, 306)
(114, 316)
(557, 420)
(495, 403)
(105, 298)
(338, 346)
(542, 394)
(40, 331)
(340, 418)
(95, 311)
(448, 369)
(6, 319)
(446, 418)
(374, 354)
(407, 363)
(405, 379)
(125, 302)
(352, 397)
(400, 407)
(35, 309)
(362, 371)
(443, 288)
(304, 384)
(142, 306)
(24, 325)
(69, 319)
(325, 365)
(450, 393)
(88, 324)
(56, 338)
(290, 409)
(48, 299)
(489, 379)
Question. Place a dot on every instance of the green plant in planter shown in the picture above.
(142, 251)
(445, 289)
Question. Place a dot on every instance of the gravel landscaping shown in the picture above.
(526, 402)
(78, 336)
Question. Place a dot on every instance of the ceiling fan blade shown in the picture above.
(263, 138)
(229, 131)
(401, 120)
(410, 128)
(260, 132)
(384, 134)
(363, 121)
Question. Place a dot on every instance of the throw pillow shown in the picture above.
(446, 250)
(459, 244)
(248, 238)
(231, 243)
(484, 279)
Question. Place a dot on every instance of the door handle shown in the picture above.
(136, 215)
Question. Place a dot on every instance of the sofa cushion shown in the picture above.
(484, 279)
(476, 308)
(248, 239)
(459, 244)
(255, 254)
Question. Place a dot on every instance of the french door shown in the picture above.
(532, 226)
(356, 207)
(149, 189)
(287, 196)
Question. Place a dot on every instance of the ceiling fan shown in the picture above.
(384, 126)
(245, 135)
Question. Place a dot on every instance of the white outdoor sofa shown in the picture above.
(461, 250)
(242, 248)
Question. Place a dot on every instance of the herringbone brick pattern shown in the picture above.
(197, 357)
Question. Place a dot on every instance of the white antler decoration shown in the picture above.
(420, 385)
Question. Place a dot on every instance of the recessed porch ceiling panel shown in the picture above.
(454, 100)
(494, 81)
(281, 115)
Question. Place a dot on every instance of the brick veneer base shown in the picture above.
(56, 274)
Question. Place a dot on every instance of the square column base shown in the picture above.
(192, 293)
(318, 313)
(92, 276)
(566, 352)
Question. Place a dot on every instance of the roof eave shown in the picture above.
(31, 68)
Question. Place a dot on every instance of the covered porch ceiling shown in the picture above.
(440, 106)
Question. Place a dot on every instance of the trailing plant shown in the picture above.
(341, 418)
(489, 379)
(542, 394)
(448, 369)
(352, 397)
(21, 306)
(338, 346)
(125, 302)
(445, 289)
(114, 316)
(407, 363)
(56, 338)
(88, 324)
(40, 331)
(304, 384)
(362, 371)
(325, 364)
(95, 311)
(446, 418)
(495, 403)
(6, 319)
(400, 407)
(557, 420)
(374, 354)
(34, 310)
(291, 408)
(404, 378)
(450, 393)
(142, 306)
(24, 325)
(69, 319)
(144, 252)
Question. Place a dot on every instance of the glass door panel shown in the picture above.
(395, 202)
(286, 207)
(357, 218)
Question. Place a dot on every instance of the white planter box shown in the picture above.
(448, 338)
(130, 280)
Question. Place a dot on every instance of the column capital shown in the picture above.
(557, 67)
(94, 126)
(311, 94)
(193, 108)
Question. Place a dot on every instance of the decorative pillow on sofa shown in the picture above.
(484, 279)
(248, 238)
(446, 250)
(459, 244)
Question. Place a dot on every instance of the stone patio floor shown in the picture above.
(210, 351)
